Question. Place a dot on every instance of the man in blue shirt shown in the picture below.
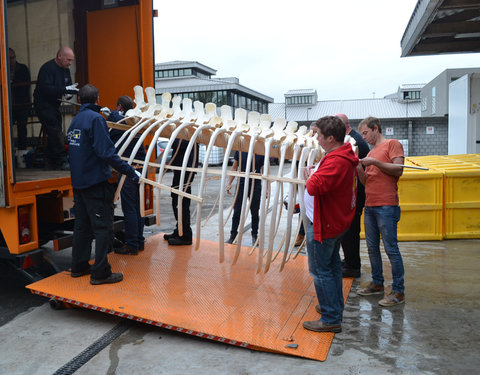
(92, 153)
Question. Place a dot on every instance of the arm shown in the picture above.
(362, 176)
(231, 178)
(394, 168)
(105, 149)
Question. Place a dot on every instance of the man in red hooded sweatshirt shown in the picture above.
(330, 201)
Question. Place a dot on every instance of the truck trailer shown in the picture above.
(113, 46)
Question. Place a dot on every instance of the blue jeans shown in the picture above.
(382, 220)
(326, 269)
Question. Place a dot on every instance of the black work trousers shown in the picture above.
(254, 207)
(51, 120)
(189, 176)
(351, 244)
(93, 208)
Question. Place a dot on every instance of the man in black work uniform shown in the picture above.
(129, 195)
(179, 147)
(20, 80)
(53, 82)
(351, 239)
(91, 153)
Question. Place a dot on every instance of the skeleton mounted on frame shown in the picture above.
(245, 132)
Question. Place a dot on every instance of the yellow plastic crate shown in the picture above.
(421, 202)
(462, 202)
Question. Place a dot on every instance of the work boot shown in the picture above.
(167, 236)
(231, 239)
(113, 278)
(126, 250)
(179, 241)
(319, 326)
(86, 271)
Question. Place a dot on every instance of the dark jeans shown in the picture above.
(254, 208)
(93, 209)
(51, 120)
(326, 269)
(189, 176)
(134, 223)
(351, 244)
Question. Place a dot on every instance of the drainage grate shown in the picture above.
(94, 349)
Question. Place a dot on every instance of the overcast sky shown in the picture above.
(344, 49)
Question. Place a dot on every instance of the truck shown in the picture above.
(113, 45)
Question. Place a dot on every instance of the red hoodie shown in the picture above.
(334, 188)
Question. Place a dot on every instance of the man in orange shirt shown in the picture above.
(382, 211)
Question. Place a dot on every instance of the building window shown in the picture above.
(411, 95)
(299, 100)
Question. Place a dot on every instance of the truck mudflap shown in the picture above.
(188, 291)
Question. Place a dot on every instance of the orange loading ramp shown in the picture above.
(189, 291)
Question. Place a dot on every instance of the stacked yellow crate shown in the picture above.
(443, 202)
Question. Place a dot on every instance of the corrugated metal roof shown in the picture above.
(177, 64)
(195, 84)
(410, 86)
(300, 92)
(354, 109)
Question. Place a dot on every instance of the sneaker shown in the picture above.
(179, 241)
(167, 236)
(126, 250)
(351, 272)
(392, 299)
(319, 326)
(370, 289)
(113, 278)
(299, 240)
(86, 271)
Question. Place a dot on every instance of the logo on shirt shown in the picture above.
(73, 137)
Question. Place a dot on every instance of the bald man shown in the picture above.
(53, 82)
(351, 240)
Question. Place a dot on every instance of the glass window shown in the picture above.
(187, 72)
(242, 102)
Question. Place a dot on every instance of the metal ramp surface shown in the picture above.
(178, 288)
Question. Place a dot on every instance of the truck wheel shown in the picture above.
(56, 304)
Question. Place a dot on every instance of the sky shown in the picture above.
(343, 49)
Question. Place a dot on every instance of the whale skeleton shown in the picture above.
(250, 132)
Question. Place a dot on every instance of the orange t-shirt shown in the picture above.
(380, 188)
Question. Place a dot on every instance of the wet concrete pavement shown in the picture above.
(435, 332)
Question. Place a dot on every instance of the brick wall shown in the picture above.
(420, 143)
